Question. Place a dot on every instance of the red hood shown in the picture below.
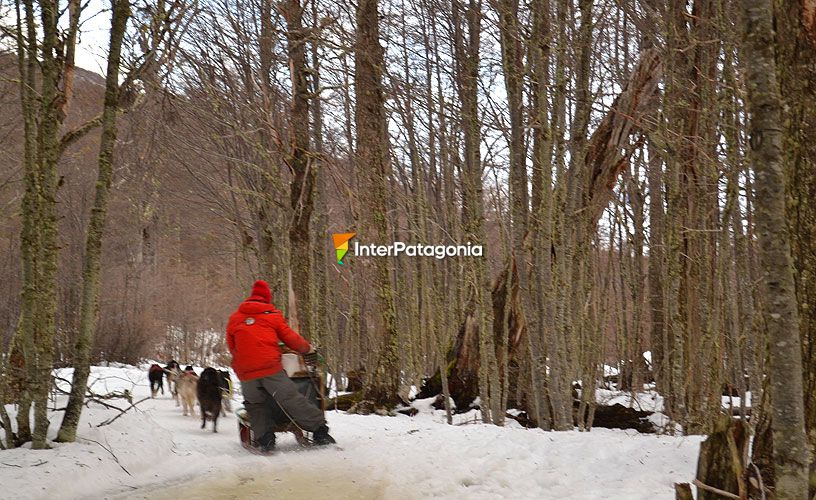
(254, 307)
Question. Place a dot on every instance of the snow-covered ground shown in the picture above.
(155, 452)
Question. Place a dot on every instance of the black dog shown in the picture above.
(226, 391)
(209, 396)
(155, 374)
(172, 370)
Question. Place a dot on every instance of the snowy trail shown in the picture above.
(283, 484)
(225, 470)
(167, 455)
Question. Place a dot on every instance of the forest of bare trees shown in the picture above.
(640, 173)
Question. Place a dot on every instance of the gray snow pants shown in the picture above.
(284, 392)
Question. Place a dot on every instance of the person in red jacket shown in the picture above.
(253, 333)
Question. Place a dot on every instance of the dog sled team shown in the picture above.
(255, 333)
(212, 390)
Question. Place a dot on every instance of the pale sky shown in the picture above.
(94, 33)
(94, 36)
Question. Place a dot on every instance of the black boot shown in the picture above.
(266, 443)
(321, 436)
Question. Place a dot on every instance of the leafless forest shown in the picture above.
(641, 174)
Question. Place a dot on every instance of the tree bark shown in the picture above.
(372, 154)
(785, 370)
(795, 24)
(512, 51)
(23, 343)
(40, 306)
(300, 161)
(467, 41)
(540, 280)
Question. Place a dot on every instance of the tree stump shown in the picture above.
(762, 452)
(723, 459)
(355, 380)
(682, 491)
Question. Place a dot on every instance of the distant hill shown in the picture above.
(157, 242)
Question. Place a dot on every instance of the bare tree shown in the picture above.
(372, 152)
(96, 228)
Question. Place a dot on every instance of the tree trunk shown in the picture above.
(321, 322)
(23, 343)
(785, 370)
(540, 281)
(512, 51)
(301, 194)
(372, 155)
(96, 229)
(42, 304)
(467, 40)
(654, 174)
(795, 26)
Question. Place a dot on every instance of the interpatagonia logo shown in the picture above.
(341, 244)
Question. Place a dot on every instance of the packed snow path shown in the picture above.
(162, 455)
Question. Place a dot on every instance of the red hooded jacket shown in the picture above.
(253, 332)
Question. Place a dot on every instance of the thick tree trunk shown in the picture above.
(512, 50)
(540, 273)
(795, 25)
(23, 343)
(42, 313)
(270, 221)
(301, 195)
(557, 362)
(372, 155)
(467, 42)
(785, 370)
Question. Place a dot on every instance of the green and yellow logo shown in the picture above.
(341, 244)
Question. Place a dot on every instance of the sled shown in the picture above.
(309, 381)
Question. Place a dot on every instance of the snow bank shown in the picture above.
(155, 452)
(643, 401)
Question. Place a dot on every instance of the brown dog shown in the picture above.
(155, 375)
(186, 384)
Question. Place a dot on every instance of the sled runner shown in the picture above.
(310, 383)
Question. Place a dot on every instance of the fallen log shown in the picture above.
(410, 411)
(618, 416)
(345, 401)
(615, 416)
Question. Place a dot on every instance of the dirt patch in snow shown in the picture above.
(264, 484)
